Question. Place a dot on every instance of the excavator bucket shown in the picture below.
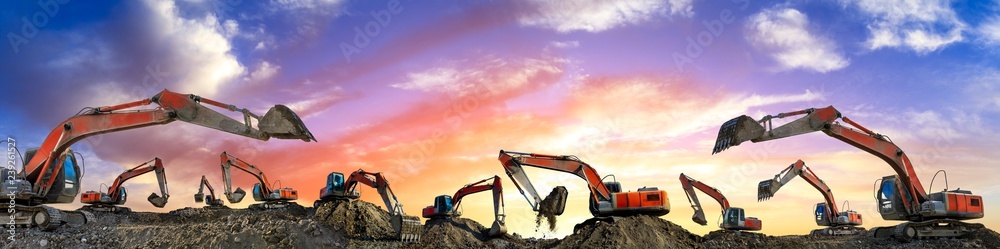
(699, 217)
(407, 227)
(236, 196)
(199, 197)
(765, 189)
(156, 200)
(555, 202)
(281, 122)
(497, 229)
(736, 131)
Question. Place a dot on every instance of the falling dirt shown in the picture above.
(551, 207)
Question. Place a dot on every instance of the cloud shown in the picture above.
(566, 44)
(920, 25)
(463, 77)
(785, 33)
(597, 15)
(989, 31)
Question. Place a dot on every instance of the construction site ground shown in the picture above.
(361, 224)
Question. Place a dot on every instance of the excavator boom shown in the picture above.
(733, 217)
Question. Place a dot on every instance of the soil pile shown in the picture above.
(640, 231)
(463, 233)
(356, 220)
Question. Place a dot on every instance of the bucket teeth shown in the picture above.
(764, 191)
(736, 131)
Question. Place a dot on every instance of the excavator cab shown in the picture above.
(66, 185)
(890, 201)
(336, 187)
(443, 207)
(735, 219)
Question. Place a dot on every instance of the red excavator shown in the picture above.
(447, 206)
(827, 214)
(339, 188)
(733, 218)
(262, 190)
(117, 195)
(900, 196)
(51, 173)
(606, 197)
(211, 200)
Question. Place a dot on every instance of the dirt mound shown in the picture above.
(551, 207)
(357, 220)
(462, 233)
(734, 239)
(639, 231)
(186, 228)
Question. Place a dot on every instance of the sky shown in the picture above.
(428, 93)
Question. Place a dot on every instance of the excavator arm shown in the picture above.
(43, 166)
(689, 184)
(513, 163)
(480, 186)
(406, 226)
(767, 188)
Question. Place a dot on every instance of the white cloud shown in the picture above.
(264, 71)
(785, 34)
(989, 31)
(566, 44)
(921, 25)
(201, 52)
(598, 15)
(495, 74)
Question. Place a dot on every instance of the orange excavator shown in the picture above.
(117, 195)
(211, 200)
(52, 173)
(900, 196)
(339, 188)
(271, 196)
(447, 206)
(733, 218)
(606, 197)
(827, 214)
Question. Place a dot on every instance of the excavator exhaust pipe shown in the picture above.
(407, 227)
(236, 196)
(157, 201)
(281, 122)
(736, 131)
(497, 229)
(764, 189)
